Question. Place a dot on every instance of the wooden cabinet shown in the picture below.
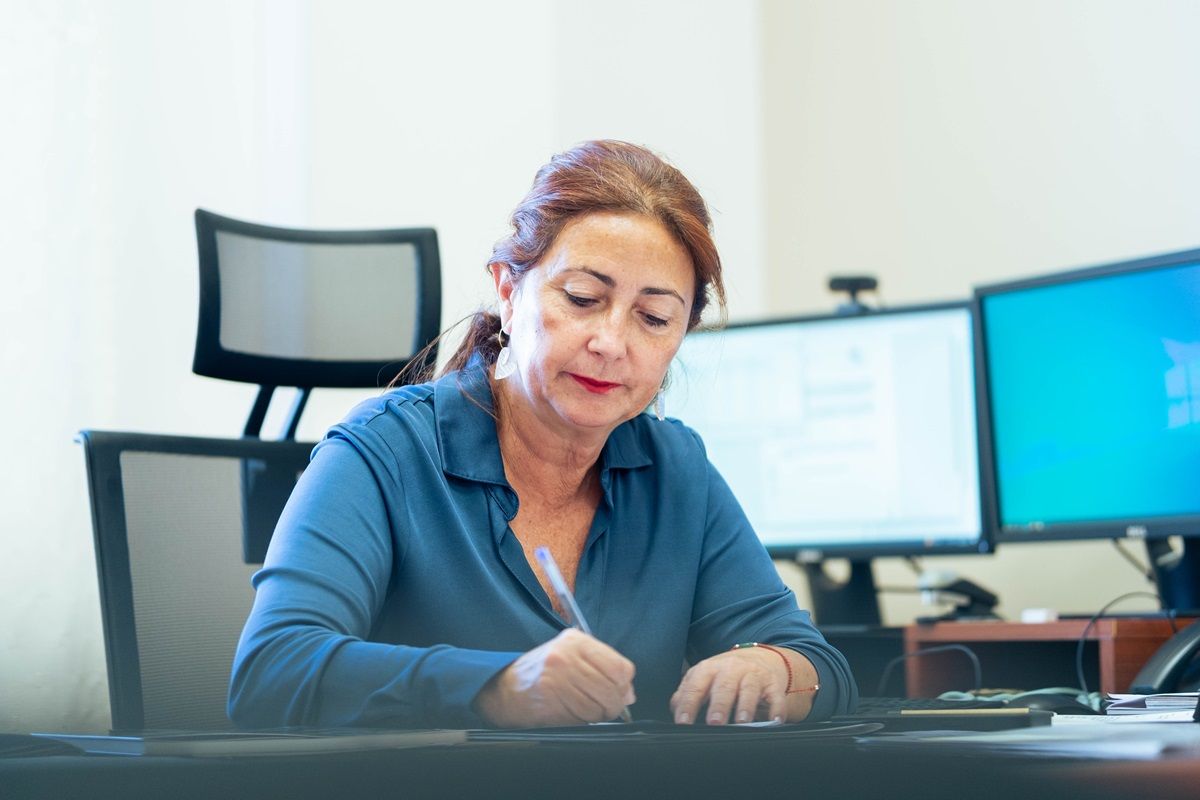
(1026, 656)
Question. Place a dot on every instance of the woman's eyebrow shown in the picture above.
(608, 281)
(666, 293)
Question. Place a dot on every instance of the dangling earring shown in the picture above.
(659, 405)
(504, 363)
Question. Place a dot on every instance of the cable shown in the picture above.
(1145, 570)
(1170, 614)
(924, 651)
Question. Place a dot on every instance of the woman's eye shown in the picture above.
(582, 302)
(655, 322)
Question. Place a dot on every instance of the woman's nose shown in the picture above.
(608, 339)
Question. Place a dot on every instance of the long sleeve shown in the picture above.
(740, 597)
(304, 658)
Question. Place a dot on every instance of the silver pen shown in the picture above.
(574, 615)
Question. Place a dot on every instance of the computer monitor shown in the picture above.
(1090, 406)
(842, 436)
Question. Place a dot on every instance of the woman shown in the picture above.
(400, 587)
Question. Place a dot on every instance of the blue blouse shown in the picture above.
(394, 589)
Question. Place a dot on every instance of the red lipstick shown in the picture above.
(593, 385)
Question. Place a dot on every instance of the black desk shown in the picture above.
(762, 770)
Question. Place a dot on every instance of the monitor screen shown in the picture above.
(1090, 390)
(844, 436)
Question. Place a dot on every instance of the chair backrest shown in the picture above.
(294, 307)
(180, 525)
(313, 308)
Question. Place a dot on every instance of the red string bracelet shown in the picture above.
(787, 664)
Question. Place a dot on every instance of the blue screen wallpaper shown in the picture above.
(1095, 398)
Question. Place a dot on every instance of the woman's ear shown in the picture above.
(502, 277)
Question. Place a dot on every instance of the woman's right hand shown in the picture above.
(569, 680)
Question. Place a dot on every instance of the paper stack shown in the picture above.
(1170, 707)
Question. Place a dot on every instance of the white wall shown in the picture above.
(131, 113)
(127, 116)
(935, 143)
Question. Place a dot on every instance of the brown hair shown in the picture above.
(602, 175)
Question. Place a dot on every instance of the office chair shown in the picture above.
(306, 308)
(172, 523)
(181, 523)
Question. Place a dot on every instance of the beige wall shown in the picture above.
(941, 144)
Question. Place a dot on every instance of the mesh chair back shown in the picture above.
(176, 521)
(294, 307)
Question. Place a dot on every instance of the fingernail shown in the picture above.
(777, 720)
(743, 716)
(716, 718)
(682, 718)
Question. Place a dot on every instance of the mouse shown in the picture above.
(1058, 702)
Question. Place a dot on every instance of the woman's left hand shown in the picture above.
(736, 684)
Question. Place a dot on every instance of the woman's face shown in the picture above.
(594, 325)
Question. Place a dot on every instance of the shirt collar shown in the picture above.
(466, 430)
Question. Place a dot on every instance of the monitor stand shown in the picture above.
(1176, 574)
(854, 601)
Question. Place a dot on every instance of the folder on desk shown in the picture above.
(264, 743)
(654, 731)
(256, 743)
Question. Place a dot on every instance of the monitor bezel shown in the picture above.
(899, 548)
(1159, 527)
